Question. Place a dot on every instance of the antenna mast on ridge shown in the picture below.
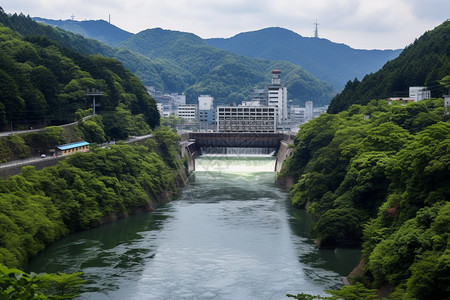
(316, 32)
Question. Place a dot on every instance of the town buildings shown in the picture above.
(266, 111)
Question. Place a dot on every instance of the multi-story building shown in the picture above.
(178, 99)
(309, 111)
(297, 115)
(277, 97)
(188, 112)
(206, 112)
(260, 95)
(246, 118)
(419, 93)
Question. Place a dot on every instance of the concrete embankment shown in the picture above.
(15, 167)
(283, 152)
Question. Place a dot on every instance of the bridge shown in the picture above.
(194, 144)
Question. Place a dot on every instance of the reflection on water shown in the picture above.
(229, 235)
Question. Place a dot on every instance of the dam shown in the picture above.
(194, 144)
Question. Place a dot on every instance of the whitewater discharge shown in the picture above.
(235, 164)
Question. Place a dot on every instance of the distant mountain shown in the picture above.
(328, 61)
(227, 76)
(182, 62)
(423, 63)
(99, 30)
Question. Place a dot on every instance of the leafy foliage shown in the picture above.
(383, 180)
(44, 83)
(423, 63)
(16, 284)
(39, 207)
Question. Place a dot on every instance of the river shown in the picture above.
(230, 234)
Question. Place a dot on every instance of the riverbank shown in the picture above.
(85, 191)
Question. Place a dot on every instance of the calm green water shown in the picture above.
(231, 234)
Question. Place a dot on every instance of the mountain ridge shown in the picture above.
(227, 76)
(97, 29)
(333, 62)
(351, 62)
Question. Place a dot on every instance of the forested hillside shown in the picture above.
(39, 207)
(226, 76)
(99, 29)
(379, 175)
(328, 61)
(423, 63)
(44, 83)
(162, 74)
(182, 62)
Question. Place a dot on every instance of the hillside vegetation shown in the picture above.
(44, 83)
(383, 182)
(423, 63)
(162, 74)
(328, 61)
(39, 207)
(226, 76)
(182, 62)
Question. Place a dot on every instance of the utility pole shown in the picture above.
(92, 93)
(316, 32)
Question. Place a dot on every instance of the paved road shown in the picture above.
(8, 133)
(26, 161)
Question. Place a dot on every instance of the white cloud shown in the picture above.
(358, 23)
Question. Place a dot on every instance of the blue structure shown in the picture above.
(67, 149)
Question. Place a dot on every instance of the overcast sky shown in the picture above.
(361, 24)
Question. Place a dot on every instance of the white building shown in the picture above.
(246, 118)
(187, 112)
(178, 99)
(160, 108)
(277, 97)
(309, 111)
(205, 102)
(206, 112)
(419, 93)
(260, 95)
(251, 103)
(446, 104)
(297, 115)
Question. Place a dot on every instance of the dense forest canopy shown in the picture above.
(379, 175)
(44, 83)
(39, 207)
(423, 63)
(226, 76)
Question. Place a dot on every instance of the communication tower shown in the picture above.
(92, 93)
(316, 32)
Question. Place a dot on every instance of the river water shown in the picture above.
(230, 234)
